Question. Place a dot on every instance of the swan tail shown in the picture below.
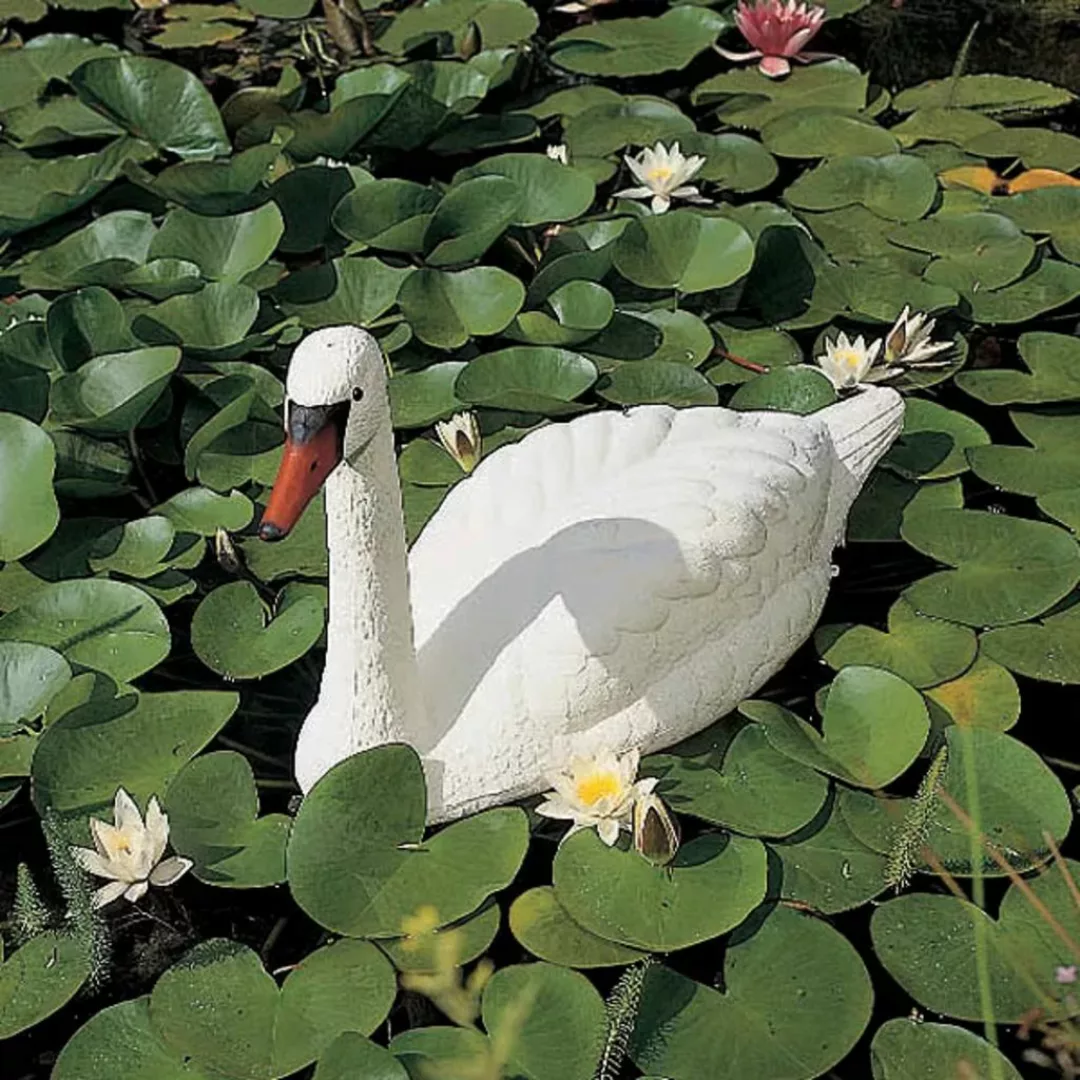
(863, 427)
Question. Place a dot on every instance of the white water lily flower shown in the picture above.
(908, 342)
(460, 438)
(597, 793)
(848, 363)
(663, 174)
(558, 153)
(129, 851)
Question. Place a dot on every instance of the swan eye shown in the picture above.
(358, 393)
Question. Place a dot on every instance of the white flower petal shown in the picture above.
(157, 830)
(660, 204)
(126, 814)
(634, 193)
(93, 862)
(608, 831)
(137, 891)
(108, 893)
(170, 870)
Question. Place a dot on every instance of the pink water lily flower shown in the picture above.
(778, 32)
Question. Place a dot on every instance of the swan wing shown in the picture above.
(579, 568)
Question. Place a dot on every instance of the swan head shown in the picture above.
(335, 401)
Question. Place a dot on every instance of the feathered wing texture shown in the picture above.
(620, 580)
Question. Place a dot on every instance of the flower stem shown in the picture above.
(739, 361)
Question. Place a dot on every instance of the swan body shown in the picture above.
(617, 581)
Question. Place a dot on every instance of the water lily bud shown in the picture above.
(460, 438)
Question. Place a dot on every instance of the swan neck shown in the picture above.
(371, 678)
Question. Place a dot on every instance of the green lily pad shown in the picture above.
(111, 394)
(431, 1051)
(873, 727)
(39, 978)
(795, 389)
(710, 886)
(1014, 794)
(921, 650)
(30, 675)
(882, 503)
(349, 871)
(213, 808)
(391, 214)
(138, 742)
(87, 323)
(470, 218)
(99, 253)
(608, 126)
(822, 132)
(419, 398)
(796, 999)
(828, 867)
(550, 191)
(908, 1049)
(108, 626)
(1050, 466)
(302, 553)
(552, 1019)
(540, 380)
(1052, 285)
(985, 696)
(351, 290)
(683, 250)
(119, 1043)
(895, 186)
(996, 95)
(541, 925)
(498, 22)
(645, 46)
(934, 442)
(656, 382)
(470, 938)
(28, 510)
(1053, 361)
(216, 317)
(747, 99)
(929, 945)
(129, 90)
(753, 789)
(445, 308)
(234, 634)
(1050, 211)
(1006, 569)
(143, 548)
(218, 1006)
(1048, 649)
(974, 251)
(224, 248)
(351, 1055)
(202, 511)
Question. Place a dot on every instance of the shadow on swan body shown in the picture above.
(620, 580)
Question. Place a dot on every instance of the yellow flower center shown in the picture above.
(592, 788)
(851, 359)
(660, 174)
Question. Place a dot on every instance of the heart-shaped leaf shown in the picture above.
(751, 788)
(541, 925)
(105, 625)
(234, 634)
(930, 945)
(656, 382)
(30, 675)
(934, 441)
(922, 651)
(213, 808)
(711, 886)
(683, 250)
(552, 1019)
(138, 742)
(1006, 569)
(38, 978)
(550, 191)
(540, 380)
(1053, 361)
(470, 219)
(1048, 649)
(28, 510)
(221, 1008)
(446, 308)
(874, 726)
(985, 696)
(129, 90)
(356, 861)
(796, 999)
(896, 186)
(909, 1049)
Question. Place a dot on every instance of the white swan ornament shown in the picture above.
(618, 581)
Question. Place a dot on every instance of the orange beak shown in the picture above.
(314, 441)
